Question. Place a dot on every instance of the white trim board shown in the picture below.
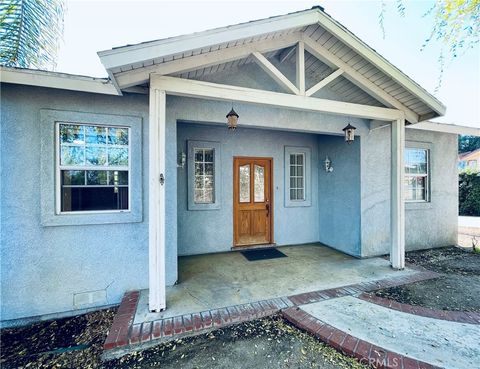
(446, 128)
(57, 80)
(215, 91)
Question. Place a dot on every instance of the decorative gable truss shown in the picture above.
(295, 42)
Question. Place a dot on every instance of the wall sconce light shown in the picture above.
(349, 133)
(232, 119)
(328, 165)
(182, 160)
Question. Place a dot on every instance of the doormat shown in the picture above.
(262, 254)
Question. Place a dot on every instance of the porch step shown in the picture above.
(125, 336)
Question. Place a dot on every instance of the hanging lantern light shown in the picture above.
(349, 133)
(232, 119)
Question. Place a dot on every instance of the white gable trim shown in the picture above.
(150, 50)
(57, 80)
(380, 62)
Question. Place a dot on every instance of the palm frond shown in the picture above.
(30, 32)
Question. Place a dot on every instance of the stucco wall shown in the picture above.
(206, 231)
(43, 267)
(339, 194)
(430, 224)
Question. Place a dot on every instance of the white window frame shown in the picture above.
(427, 176)
(217, 184)
(297, 154)
(195, 149)
(59, 168)
(307, 178)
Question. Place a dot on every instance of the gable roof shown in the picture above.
(227, 47)
(467, 155)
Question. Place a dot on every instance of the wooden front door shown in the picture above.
(252, 201)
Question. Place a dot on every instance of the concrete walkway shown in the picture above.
(469, 222)
(437, 342)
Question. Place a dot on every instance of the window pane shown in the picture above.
(198, 155)
(94, 198)
(208, 182)
(72, 155)
(208, 196)
(293, 194)
(209, 169)
(73, 177)
(118, 177)
(259, 185)
(300, 159)
(70, 133)
(245, 183)
(96, 155)
(300, 194)
(208, 155)
(118, 136)
(300, 171)
(292, 159)
(117, 156)
(95, 135)
(96, 177)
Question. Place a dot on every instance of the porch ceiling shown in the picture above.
(367, 76)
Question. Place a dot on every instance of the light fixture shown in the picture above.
(328, 165)
(232, 119)
(349, 133)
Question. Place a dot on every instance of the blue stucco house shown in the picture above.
(106, 182)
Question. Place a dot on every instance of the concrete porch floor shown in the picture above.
(218, 280)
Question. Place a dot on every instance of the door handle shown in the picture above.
(267, 206)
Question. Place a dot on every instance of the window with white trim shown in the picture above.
(297, 177)
(416, 175)
(93, 168)
(204, 176)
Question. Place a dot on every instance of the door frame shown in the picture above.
(272, 200)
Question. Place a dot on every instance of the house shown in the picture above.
(106, 182)
(469, 161)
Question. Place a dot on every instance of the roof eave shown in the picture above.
(150, 50)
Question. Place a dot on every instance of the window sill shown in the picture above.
(418, 205)
(89, 218)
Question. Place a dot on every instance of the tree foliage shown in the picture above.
(30, 32)
(469, 194)
(456, 25)
(468, 143)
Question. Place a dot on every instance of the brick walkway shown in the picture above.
(363, 351)
(124, 336)
(452, 316)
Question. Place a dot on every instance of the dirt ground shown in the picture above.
(77, 343)
(457, 289)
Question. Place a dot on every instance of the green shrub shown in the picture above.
(469, 194)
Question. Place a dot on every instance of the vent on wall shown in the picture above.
(90, 297)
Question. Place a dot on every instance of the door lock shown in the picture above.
(162, 179)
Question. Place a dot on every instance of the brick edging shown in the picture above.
(124, 334)
(118, 333)
(452, 316)
(365, 352)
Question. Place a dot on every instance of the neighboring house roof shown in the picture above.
(469, 155)
(198, 54)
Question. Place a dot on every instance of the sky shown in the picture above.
(92, 26)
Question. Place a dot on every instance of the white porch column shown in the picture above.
(397, 217)
(156, 193)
